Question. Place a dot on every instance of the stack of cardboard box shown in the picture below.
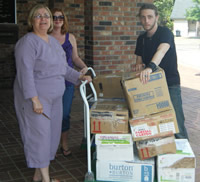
(153, 120)
(147, 109)
(109, 118)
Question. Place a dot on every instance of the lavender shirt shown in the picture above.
(41, 69)
(38, 60)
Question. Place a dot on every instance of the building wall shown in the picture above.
(182, 26)
(106, 32)
(114, 35)
(7, 66)
(187, 29)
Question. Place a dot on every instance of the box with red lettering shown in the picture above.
(156, 146)
(109, 117)
(154, 125)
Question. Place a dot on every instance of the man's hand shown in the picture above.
(37, 106)
(145, 75)
(84, 78)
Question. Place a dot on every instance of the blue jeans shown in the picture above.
(67, 103)
(175, 94)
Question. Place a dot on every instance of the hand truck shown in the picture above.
(89, 176)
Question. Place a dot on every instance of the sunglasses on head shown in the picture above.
(61, 17)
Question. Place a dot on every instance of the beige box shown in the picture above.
(156, 146)
(108, 86)
(154, 125)
(109, 117)
(179, 167)
(149, 98)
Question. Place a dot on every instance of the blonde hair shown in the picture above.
(32, 14)
(65, 26)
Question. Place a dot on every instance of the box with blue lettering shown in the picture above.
(126, 171)
(149, 98)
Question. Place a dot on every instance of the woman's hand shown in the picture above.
(37, 106)
(85, 77)
(84, 70)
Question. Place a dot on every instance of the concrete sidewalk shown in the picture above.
(190, 81)
(188, 51)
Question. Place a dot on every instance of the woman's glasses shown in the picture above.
(60, 18)
(46, 16)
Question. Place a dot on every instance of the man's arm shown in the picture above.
(160, 53)
(139, 64)
(157, 58)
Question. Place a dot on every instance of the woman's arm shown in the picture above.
(75, 57)
(25, 62)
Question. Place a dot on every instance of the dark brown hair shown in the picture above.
(148, 6)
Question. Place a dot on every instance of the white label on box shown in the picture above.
(164, 127)
(143, 130)
(176, 175)
(184, 147)
(102, 115)
(113, 139)
(155, 142)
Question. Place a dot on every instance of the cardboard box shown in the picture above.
(156, 146)
(109, 117)
(114, 147)
(179, 167)
(154, 125)
(108, 86)
(146, 99)
(137, 170)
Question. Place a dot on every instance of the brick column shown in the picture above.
(111, 29)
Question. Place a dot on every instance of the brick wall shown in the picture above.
(106, 32)
(111, 34)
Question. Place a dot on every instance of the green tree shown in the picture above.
(165, 8)
(193, 13)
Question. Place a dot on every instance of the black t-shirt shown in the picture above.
(146, 47)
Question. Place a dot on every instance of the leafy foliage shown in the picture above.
(194, 12)
(165, 8)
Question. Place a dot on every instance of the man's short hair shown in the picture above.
(148, 6)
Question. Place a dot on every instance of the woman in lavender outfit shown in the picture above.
(38, 90)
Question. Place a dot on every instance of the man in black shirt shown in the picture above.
(154, 48)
